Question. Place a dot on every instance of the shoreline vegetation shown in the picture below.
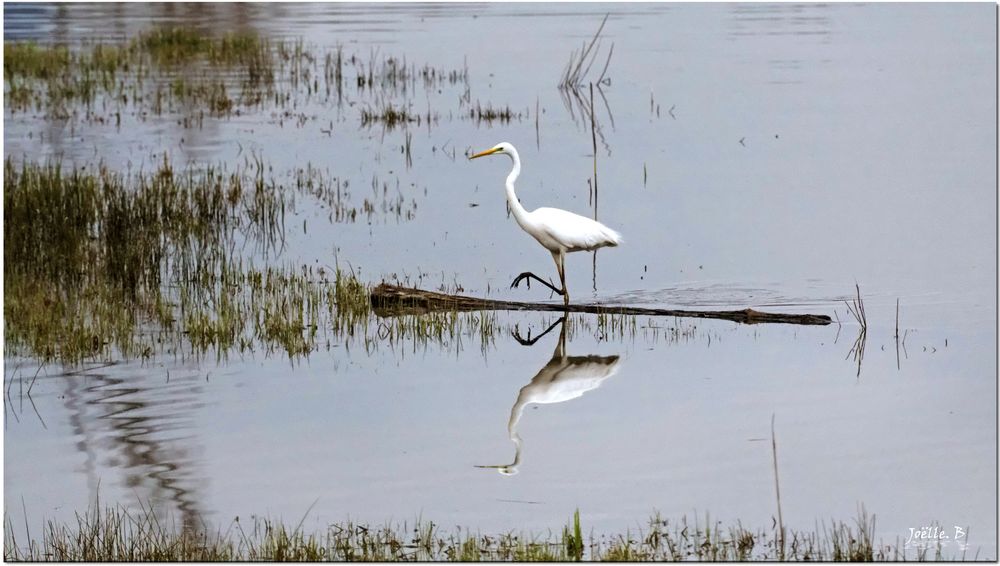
(117, 534)
(194, 75)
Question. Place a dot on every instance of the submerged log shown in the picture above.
(392, 300)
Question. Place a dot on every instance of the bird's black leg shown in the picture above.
(531, 341)
(562, 279)
(529, 276)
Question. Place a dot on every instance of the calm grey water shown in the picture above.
(752, 155)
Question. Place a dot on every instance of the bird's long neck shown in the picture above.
(520, 214)
(523, 398)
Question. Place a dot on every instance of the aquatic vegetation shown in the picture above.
(574, 74)
(172, 45)
(116, 534)
(99, 264)
(336, 196)
(139, 74)
(189, 72)
(92, 257)
(489, 114)
(446, 329)
(389, 116)
(28, 59)
(103, 265)
(390, 74)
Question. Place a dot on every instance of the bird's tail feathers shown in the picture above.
(615, 237)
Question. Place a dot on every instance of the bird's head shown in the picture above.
(503, 148)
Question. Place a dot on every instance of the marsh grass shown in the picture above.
(387, 74)
(99, 264)
(389, 116)
(857, 309)
(174, 46)
(97, 261)
(575, 73)
(28, 59)
(337, 196)
(489, 114)
(143, 73)
(191, 73)
(118, 534)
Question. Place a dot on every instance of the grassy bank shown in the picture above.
(97, 262)
(114, 534)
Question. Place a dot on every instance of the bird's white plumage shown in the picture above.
(559, 231)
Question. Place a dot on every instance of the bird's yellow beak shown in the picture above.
(485, 153)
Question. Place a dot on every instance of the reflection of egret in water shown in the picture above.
(562, 379)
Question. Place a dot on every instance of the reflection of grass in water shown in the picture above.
(115, 534)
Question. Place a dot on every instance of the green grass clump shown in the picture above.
(117, 534)
(54, 77)
(93, 257)
(31, 60)
(172, 45)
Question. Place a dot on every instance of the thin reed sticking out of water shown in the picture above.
(777, 493)
(857, 308)
(574, 74)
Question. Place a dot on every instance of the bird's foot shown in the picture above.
(528, 276)
(523, 341)
(529, 341)
(517, 280)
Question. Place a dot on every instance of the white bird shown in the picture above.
(563, 379)
(559, 231)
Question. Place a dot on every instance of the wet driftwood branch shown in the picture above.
(392, 300)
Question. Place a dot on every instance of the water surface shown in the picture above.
(757, 155)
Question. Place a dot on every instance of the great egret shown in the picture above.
(557, 230)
